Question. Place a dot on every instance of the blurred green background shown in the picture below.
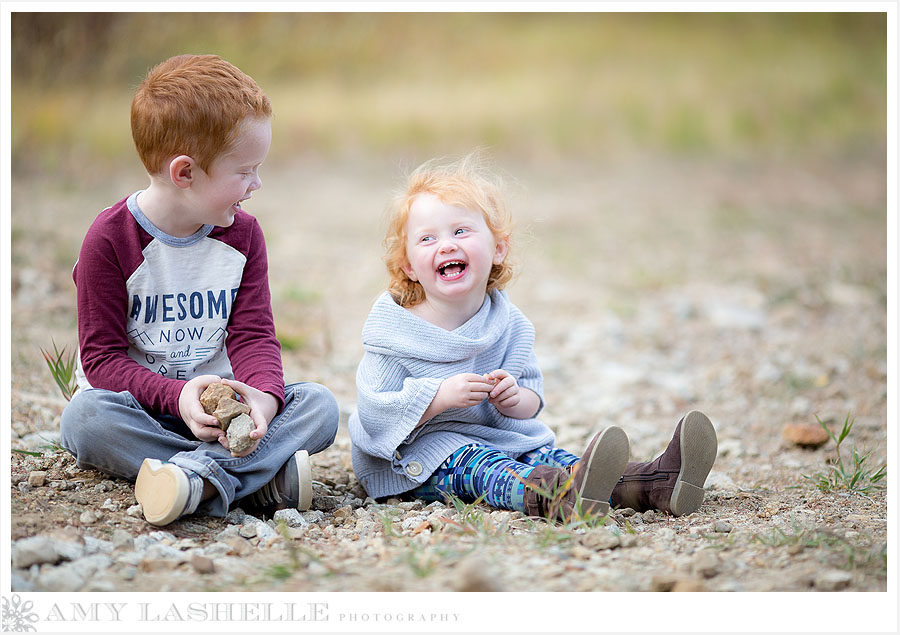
(598, 85)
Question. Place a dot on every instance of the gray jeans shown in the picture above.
(111, 432)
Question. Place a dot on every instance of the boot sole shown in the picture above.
(698, 453)
(162, 489)
(304, 480)
(605, 465)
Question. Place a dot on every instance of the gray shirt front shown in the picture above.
(405, 361)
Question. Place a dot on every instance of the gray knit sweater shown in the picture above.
(406, 358)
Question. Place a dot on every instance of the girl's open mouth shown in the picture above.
(452, 269)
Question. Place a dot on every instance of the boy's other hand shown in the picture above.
(263, 408)
(205, 427)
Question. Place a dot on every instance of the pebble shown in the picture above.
(598, 539)
(722, 527)
(122, 539)
(37, 478)
(707, 563)
(203, 564)
(834, 580)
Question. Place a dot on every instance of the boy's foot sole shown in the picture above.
(698, 453)
(604, 466)
(304, 480)
(162, 489)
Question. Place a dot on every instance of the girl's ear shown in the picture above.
(181, 171)
(408, 270)
(501, 250)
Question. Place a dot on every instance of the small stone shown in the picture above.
(248, 530)
(34, 550)
(25, 487)
(109, 505)
(649, 516)
(202, 564)
(806, 435)
(626, 512)
(239, 433)
(599, 539)
(122, 539)
(37, 478)
(343, 512)
(834, 580)
(291, 516)
(722, 527)
(210, 397)
(228, 409)
(59, 485)
(235, 516)
(135, 511)
(89, 517)
(707, 564)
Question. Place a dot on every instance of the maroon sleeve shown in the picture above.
(252, 347)
(110, 253)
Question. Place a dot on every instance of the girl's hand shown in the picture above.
(463, 390)
(263, 408)
(505, 393)
(510, 399)
(205, 427)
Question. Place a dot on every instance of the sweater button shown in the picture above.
(413, 468)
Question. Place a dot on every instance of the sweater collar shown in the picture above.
(392, 330)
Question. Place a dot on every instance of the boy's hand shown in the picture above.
(263, 408)
(205, 427)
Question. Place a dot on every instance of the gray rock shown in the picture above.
(60, 579)
(292, 517)
(89, 517)
(722, 527)
(239, 433)
(34, 550)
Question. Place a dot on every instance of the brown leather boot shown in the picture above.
(673, 482)
(583, 488)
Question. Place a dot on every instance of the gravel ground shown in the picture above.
(756, 293)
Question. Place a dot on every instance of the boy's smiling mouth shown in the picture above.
(452, 269)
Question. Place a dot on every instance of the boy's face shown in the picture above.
(450, 249)
(232, 177)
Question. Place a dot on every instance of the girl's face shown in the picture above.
(450, 250)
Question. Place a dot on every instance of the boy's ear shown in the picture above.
(181, 171)
(501, 250)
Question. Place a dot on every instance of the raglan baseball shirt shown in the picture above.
(155, 310)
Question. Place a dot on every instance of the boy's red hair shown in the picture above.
(192, 105)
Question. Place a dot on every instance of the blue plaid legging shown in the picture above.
(476, 470)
